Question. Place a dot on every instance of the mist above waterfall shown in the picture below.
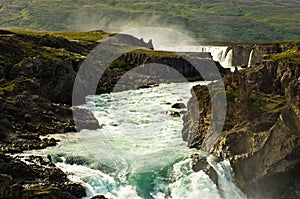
(162, 37)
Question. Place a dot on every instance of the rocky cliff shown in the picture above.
(129, 60)
(36, 74)
(157, 67)
(261, 135)
(244, 54)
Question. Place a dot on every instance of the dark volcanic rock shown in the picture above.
(179, 105)
(37, 179)
(261, 135)
(173, 113)
(36, 90)
(25, 117)
(5, 32)
(99, 197)
(200, 164)
(84, 119)
(188, 66)
(15, 169)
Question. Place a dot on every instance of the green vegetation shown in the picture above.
(230, 94)
(54, 54)
(213, 20)
(156, 53)
(7, 88)
(85, 36)
(291, 54)
(118, 66)
(25, 48)
(265, 103)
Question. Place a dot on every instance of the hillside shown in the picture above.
(215, 20)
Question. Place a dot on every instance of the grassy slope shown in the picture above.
(214, 20)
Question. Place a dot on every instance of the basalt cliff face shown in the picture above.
(36, 74)
(250, 54)
(146, 67)
(261, 135)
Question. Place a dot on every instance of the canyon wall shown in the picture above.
(261, 134)
(158, 67)
(241, 52)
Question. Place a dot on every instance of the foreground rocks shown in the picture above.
(25, 116)
(37, 178)
(261, 135)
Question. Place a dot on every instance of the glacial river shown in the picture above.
(138, 152)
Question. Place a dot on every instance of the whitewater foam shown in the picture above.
(119, 161)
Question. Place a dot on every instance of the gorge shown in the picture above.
(37, 75)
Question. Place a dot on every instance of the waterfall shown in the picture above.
(250, 58)
(218, 53)
(225, 179)
(228, 59)
(223, 57)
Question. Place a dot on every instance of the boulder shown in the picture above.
(84, 119)
(99, 197)
(200, 164)
(173, 113)
(179, 106)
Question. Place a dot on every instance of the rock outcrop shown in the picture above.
(35, 177)
(37, 75)
(261, 135)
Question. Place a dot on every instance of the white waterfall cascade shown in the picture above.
(250, 58)
(218, 52)
(228, 59)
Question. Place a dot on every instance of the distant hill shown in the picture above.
(205, 20)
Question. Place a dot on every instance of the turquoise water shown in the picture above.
(138, 152)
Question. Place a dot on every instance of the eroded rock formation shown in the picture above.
(261, 135)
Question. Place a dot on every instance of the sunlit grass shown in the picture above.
(86, 36)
